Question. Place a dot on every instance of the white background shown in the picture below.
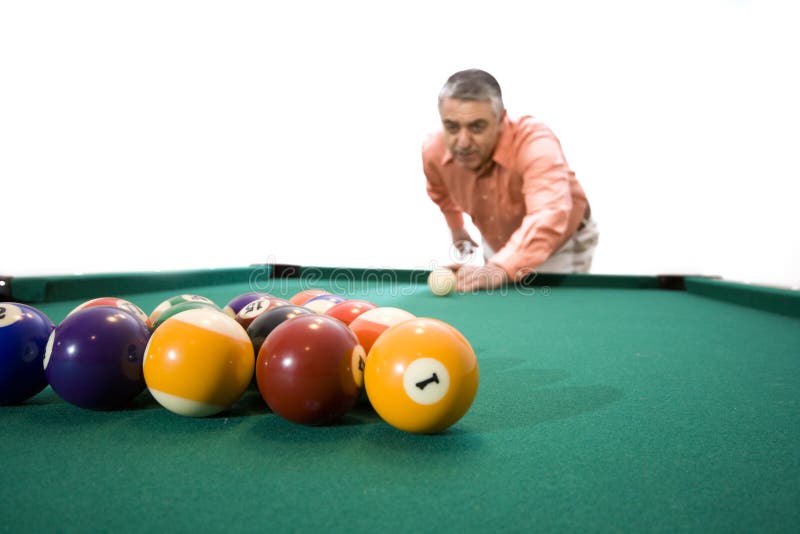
(156, 135)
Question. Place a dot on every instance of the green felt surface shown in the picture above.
(600, 409)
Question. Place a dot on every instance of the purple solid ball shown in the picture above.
(94, 358)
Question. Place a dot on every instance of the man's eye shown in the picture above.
(477, 128)
(451, 128)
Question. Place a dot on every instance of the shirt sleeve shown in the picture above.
(548, 205)
(438, 192)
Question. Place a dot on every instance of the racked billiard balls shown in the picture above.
(310, 369)
(348, 310)
(371, 324)
(421, 376)
(301, 297)
(237, 303)
(24, 332)
(174, 301)
(94, 358)
(322, 303)
(115, 303)
(198, 362)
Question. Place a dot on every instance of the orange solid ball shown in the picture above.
(421, 376)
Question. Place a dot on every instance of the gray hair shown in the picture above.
(473, 84)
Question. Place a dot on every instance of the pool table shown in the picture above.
(606, 404)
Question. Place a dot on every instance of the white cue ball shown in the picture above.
(442, 281)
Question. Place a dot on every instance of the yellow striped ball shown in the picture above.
(198, 363)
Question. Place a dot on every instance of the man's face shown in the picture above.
(471, 129)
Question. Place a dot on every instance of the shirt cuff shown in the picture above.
(517, 266)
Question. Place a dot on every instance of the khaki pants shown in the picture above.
(574, 257)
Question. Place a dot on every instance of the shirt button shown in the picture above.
(485, 197)
(491, 218)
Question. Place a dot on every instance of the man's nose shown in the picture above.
(463, 139)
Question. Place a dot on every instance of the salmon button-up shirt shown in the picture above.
(526, 203)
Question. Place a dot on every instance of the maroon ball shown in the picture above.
(310, 369)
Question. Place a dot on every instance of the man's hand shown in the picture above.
(473, 278)
(463, 244)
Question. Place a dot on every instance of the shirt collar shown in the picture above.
(504, 151)
(447, 157)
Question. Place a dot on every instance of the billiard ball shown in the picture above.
(115, 303)
(310, 369)
(301, 297)
(237, 303)
(421, 376)
(198, 362)
(254, 309)
(94, 358)
(322, 303)
(348, 310)
(372, 323)
(265, 323)
(182, 307)
(24, 332)
(442, 281)
(173, 301)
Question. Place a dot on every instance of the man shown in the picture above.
(512, 178)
